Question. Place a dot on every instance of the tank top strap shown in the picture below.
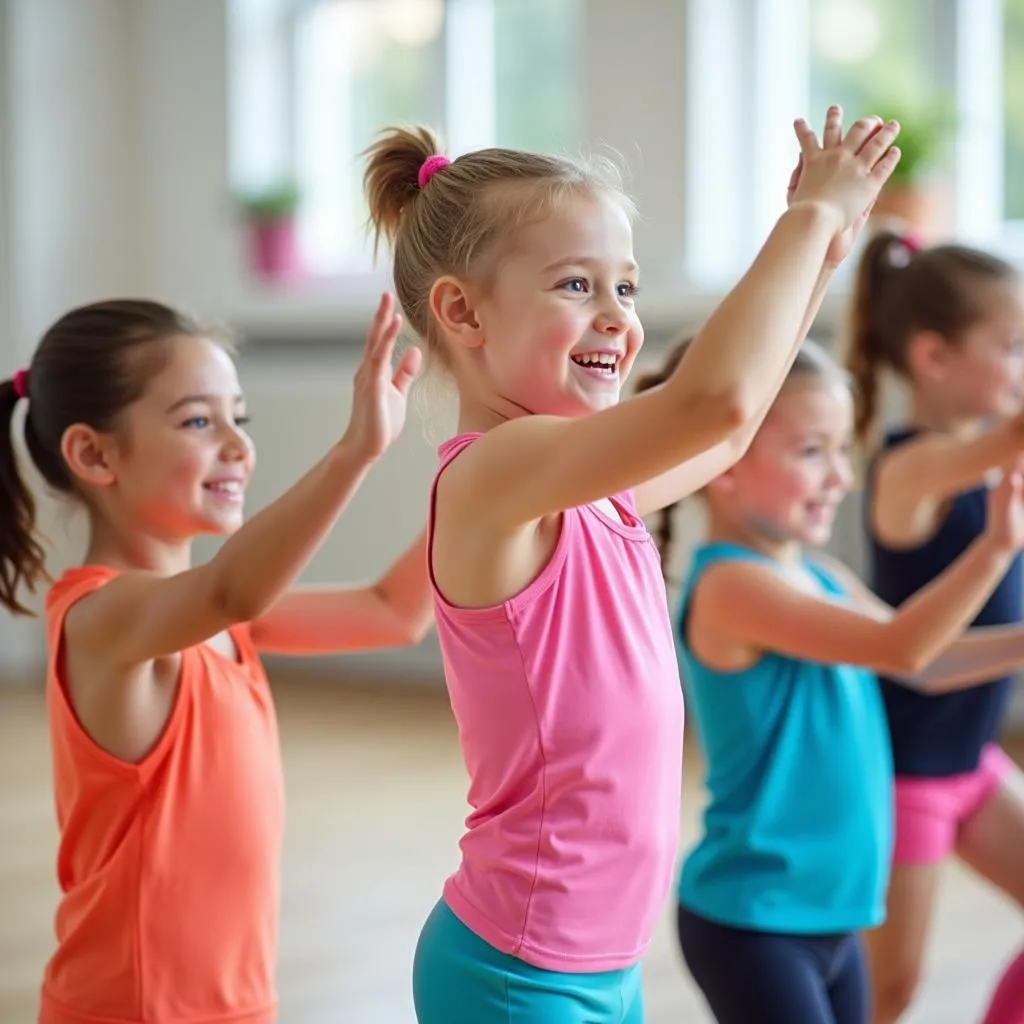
(72, 586)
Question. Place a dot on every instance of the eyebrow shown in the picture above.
(630, 266)
(196, 399)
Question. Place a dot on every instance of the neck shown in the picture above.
(930, 413)
(722, 530)
(133, 551)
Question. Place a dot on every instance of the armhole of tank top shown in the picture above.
(57, 694)
(737, 554)
(516, 602)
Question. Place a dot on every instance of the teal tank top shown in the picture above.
(798, 831)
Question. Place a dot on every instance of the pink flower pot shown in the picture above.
(274, 250)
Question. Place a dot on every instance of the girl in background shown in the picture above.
(165, 751)
(779, 647)
(517, 271)
(950, 322)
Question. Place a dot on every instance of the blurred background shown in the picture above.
(205, 152)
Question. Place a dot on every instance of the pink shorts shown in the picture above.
(931, 812)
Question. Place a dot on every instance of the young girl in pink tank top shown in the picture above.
(517, 271)
(166, 763)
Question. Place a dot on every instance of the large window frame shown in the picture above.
(733, 81)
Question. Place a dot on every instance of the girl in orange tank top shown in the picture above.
(167, 771)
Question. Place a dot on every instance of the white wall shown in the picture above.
(113, 159)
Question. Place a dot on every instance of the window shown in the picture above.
(762, 62)
(312, 81)
(1013, 110)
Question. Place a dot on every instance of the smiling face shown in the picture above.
(179, 461)
(558, 332)
(788, 487)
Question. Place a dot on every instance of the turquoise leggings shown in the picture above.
(457, 978)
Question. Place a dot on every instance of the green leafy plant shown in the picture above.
(276, 203)
(924, 132)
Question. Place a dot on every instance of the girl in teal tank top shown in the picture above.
(779, 650)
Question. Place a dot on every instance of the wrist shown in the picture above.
(348, 457)
(996, 549)
(822, 216)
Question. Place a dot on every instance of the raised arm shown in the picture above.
(540, 465)
(914, 480)
(741, 609)
(141, 616)
(396, 611)
(690, 476)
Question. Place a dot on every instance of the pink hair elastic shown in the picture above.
(20, 382)
(911, 242)
(430, 167)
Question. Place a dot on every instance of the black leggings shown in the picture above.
(763, 978)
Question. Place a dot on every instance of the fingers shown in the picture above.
(860, 131)
(806, 137)
(884, 168)
(408, 368)
(833, 134)
(880, 142)
(380, 339)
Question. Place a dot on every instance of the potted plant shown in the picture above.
(916, 194)
(271, 219)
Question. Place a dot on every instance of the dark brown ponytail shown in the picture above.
(867, 340)
(21, 554)
(90, 365)
(901, 290)
(664, 530)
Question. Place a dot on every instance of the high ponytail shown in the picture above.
(391, 180)
(867, 352)
(902, 290)
(22, 558)
(453, 218)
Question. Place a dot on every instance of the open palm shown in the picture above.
(1005, 513)
(380, 391)
(844, 242)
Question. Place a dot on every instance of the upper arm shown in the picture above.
(915, 479)
(536, 466)
(141, 616)
(320, 620)
(753, 608)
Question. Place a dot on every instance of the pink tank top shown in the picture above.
(570, 715)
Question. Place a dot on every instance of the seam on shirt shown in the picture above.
(543, 784)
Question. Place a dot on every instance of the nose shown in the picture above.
(611, 317)
(236, 445)
(841, 472)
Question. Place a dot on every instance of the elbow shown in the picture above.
(725, 414)
(235, 604)
(904, 662)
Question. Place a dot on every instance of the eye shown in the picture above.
(576, 285)
(628, 290)
(197, 422)
(243, 420)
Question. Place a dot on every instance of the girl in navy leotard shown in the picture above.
(949, 321)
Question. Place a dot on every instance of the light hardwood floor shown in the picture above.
(376, 800)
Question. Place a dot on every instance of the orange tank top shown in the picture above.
(169, 869)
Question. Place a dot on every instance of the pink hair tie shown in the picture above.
(911, 242)
(430, 167)
(20, 382)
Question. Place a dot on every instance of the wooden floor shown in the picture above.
(376, 791)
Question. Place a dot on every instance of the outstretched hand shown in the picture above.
(381, 391)
(1005, 513)
(846, 172)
